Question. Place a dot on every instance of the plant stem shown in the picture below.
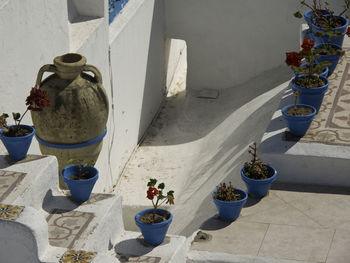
(19, 121)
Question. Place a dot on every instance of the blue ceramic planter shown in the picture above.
(79, 189)
(323, 74)
(18, 147)
(259, 188)
(298, 125)
(334, 59)
(311, 96)
(154, 234)
(229, 211)
(308, 14)
(326, 39)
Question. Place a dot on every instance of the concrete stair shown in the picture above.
(308, 160)
(43, 224)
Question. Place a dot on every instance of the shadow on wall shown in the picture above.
(155, 70)
(185, 117)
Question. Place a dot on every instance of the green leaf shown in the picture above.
(152, 182)
(16, 116)
(161, 186)
(318, 34)
(298, 14)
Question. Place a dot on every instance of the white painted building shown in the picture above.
(228, 42)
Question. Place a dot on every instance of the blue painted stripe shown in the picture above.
(72, 146)
(114, 8)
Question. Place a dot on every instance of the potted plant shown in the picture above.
(315, 9)
(298, 116)
(80, 178)
(312, 86)
(18, 137)
(334, 26)
(329, 52)
(229, 201)
(154, 222)
(321, 18)
(257, 175)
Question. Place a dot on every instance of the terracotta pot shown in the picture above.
(74, 125)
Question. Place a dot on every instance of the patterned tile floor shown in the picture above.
(65, 227)
(77, 256)
(10, 212)
(8, 181)
(332, 123)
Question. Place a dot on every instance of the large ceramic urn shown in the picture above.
(75, 123)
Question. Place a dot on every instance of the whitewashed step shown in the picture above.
(131, 247)
(94, 225)
(26, 182)
(314, 159)
(24, 233)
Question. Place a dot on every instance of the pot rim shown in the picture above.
(268, 180)
(232, 202)
(23, 126)
(139, 214)
(66, 178)
(308, 89)
(298, 117)
(336, 28)
(77, 60)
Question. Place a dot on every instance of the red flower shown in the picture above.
(151, 192)
(307, 45)
(293, 59)
(348, 31)
(37, 99)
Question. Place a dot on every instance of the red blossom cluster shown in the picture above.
(37, 99)
(293, 59)
(307, 45)
(152, 192)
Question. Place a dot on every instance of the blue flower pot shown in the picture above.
(259, 188)
(311, 96)
(229, 211)
(323, 74)
(79, 189)
(334, 59)
(298, 125)
(336, 40)
(155, 233)
(308, 14)
(18, 147)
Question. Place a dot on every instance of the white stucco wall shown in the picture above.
(231, 41)
(32, 33)
(228, 42)
(174, 49)
(137, 60)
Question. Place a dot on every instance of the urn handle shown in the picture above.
(94, 70)
(45, 68)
